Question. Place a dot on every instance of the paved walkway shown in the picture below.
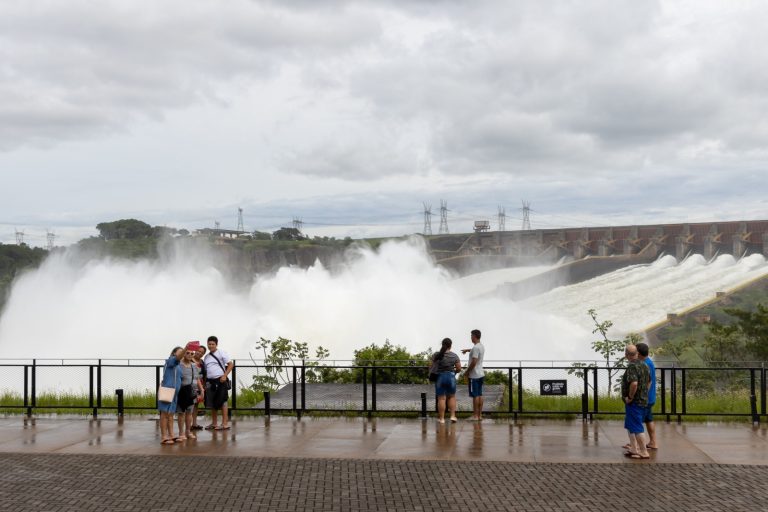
(381, 464)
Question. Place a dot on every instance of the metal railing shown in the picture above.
(94, 387)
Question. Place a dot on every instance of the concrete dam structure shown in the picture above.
(580, 254)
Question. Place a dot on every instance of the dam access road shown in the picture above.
(352, 464)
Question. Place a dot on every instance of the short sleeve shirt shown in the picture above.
(478, 351)
(189, 374)
(636, 371)
(212, 368)
(652, 389)
(447, 363)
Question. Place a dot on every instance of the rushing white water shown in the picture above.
(118, 309)
(482, 283)
(637, 296)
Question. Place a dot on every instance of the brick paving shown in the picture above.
(61, 483)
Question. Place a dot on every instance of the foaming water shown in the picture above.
(638, 296)
(119, 309)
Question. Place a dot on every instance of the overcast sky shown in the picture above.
(350, 115)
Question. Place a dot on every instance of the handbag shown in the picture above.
(165, 394)
(229, 382)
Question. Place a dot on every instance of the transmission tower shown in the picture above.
(427, 219)
(50, 236)
(240, 220)
(297, 224)
(502, 219)
(19, 237)
(217, 224)
(443, 218)
(526, 216)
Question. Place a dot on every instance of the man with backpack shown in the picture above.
(218, 366)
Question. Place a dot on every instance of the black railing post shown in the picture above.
(365, 389)
(585, 397)
(90, 390)
(519, 391)
(26, 385)
(234, 386)
(762, 390)
(595, 390)
(510, 389)
(294, 387)
(120, 402)
(753, 397)
(303, 387)
(664, 392)
(682, 391)
(34, 384)
(373, 387)
(267, 404)
(424, 406)
(157, 384)
(98, 385)
(673, 391)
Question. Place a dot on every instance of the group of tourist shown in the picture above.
(446, 365)
(194, 378)
(638, 390)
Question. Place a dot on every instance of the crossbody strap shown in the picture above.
(218, 361)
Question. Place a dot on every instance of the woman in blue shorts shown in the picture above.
(447, 365)
(171, 379)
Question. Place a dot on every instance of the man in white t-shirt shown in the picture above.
(476, 375)
(218, 366)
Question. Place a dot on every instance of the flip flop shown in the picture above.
(626, 447)
(180, 439)
(630, 454)
(651, 447)
(211, 427)
(167, 441)
(454, 419)
(222, 428)
(191, 436)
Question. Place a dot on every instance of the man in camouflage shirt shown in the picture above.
(634, 391)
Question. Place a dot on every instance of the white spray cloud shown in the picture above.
(120, 309)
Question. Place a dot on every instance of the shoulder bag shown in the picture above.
(229, 382)
(165, 394)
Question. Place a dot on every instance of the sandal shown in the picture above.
(192, 436)
(180, 439)
(167, 441)
(454, 419)
(222, 428)
(211, 427)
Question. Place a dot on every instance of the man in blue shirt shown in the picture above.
(642, 349)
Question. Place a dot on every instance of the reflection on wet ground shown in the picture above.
(530, 440)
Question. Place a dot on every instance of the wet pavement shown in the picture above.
(529, 440)
(351, 464)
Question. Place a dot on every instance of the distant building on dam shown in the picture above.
(737, 238)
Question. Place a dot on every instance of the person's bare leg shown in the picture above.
(651, 426)
(194, 414)
(224, 415)
(180, 422)
(477, 407)
(441, 408)
(187, 423)
(163, 430)
(632, 443)
(169, 422)
(641, 449)
(452, 406)
(214, 417)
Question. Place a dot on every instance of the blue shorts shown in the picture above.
(476, 387)
(648, 414)
(633, 418)
(446, 384)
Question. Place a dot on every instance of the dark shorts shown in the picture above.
(476, 387)
(648, 415)
(216, 394)
(633, 418)
(446, 384)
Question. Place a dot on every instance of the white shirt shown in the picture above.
(212, 368)
(478, 351)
